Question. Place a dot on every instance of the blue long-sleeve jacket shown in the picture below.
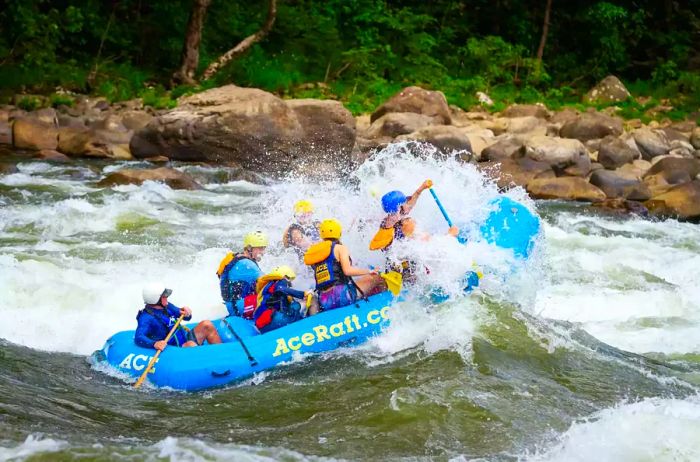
(154, 325)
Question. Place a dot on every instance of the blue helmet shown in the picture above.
(393, 200)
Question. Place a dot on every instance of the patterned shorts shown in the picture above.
(337, 296)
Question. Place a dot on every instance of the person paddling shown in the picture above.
(158, 316)
(304, 231)
(333, 270)
(397, 206)
(397, 225)
(238, 272)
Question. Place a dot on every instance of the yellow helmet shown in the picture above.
(330, 229)
(255, 239)
(281, 272)
(303, 206)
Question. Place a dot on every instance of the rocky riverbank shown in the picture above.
(590, 156)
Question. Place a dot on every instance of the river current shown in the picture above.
(589, 351)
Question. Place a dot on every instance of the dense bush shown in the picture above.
(360, 51)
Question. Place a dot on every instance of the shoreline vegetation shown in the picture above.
(360, 52)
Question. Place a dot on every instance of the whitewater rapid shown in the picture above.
(73, 259)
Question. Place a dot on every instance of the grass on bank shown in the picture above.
(676, 98)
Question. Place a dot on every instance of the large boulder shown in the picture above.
(173, 178)
(254, 129)
(608, 90)
(393, 124)
(591, 125)
(47, 115)
(680, 148)
(82, 142)
(5, 132)
(502, 149)
(559, 153)
(34, 134)
(51, 156)
(634, 170)
(527, 125)
(326, 123)
(7, 168)
(675, 169)
(614, 153)
(617, 186)
(415, 99)
(651, 143)
(681, 201)
(568, 188)
(695, 138)
(446, 138)
(526, 110)
(515, 172)
(562, 117)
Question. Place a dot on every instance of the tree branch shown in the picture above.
(244, 44)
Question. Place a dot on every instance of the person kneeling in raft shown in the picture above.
(333, 270)
(276, 307)
(237, 275)
(159, 316)
(300, 234)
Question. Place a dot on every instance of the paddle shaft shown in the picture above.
(442, 209)
(155, 358)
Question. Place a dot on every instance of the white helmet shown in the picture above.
(153, 291)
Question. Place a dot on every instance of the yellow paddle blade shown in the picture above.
(394, 281)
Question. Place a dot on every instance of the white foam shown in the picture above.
(33, 445)
(628, 283)
(654, 429)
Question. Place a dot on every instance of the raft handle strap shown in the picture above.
(252, 360)
(221, 374)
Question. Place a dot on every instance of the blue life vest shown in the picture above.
(180, 336)
(233, 290)
(329, 272)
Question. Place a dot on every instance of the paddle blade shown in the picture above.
(394, 281)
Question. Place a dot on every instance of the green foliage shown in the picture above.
(61, 99)
(157, 98)
(360, 51)
(29, 103)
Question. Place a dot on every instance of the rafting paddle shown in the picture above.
(439, 204)
(155, 358)
(394, 281)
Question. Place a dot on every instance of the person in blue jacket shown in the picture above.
(276, 306)
(158, 316)
(238, 274)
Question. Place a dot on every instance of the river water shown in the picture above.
(590, 351)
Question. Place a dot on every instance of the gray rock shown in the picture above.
(420, 101)
(614, 153)
(614, 186)
(557, 152)
(526, 110)
(695, 138)
(502, 149)
(253, 128)
(589, 126)
(608, 90)
(393, 124)
(651, 143)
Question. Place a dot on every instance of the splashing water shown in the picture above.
(527, 367)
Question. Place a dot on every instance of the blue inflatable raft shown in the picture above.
(245, 351)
